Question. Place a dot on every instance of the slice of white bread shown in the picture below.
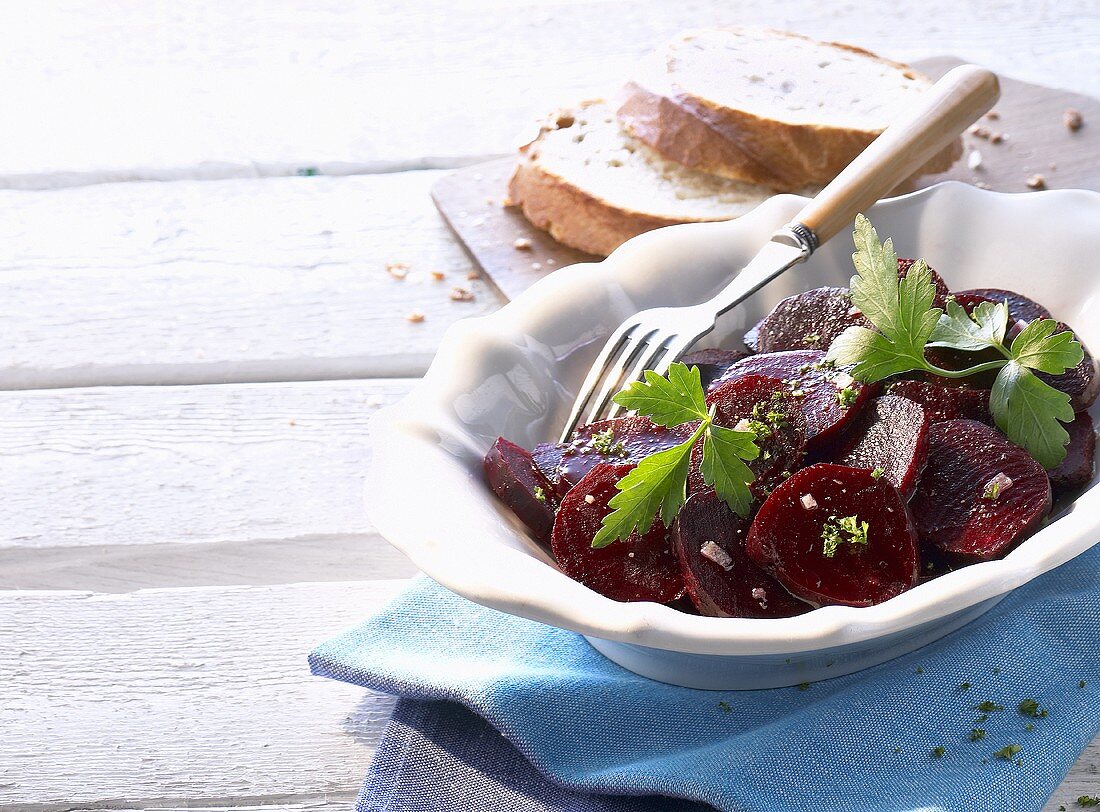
(593, 187)
(766, 106)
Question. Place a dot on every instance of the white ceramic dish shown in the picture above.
(513, 373)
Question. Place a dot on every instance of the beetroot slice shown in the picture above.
(1081, 383)
(771, 410)
(721, 580)
(1020, 308)
(786, 537)
(941, 287)
(806, 321)
(949, 508)
(513, 477)
(1076, 470)
(892, 436)
(713, 363)
(815, 385)
(631, 439)
(642, 568)
(945, 402)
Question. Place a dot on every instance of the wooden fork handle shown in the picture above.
(937, 118)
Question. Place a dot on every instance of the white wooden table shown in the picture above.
(188, 366)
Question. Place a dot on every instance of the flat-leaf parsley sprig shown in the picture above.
(1026, 408)
(657, 486)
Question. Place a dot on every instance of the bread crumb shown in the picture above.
(981, 184)
(993, 115)
(589, 499)
(472, 275)
(461, 295)
(1073, 120)
(398, 270)
(1052, 166)
(978, 131)
(415, 317)
(522, 244)
(974, 159)
(997, 138)
(507, 203)
(1036, 182)
(536, 266)
(488, 201)
(438, 276)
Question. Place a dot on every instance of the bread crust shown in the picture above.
(741, 145)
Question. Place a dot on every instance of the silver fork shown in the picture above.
(655, 338)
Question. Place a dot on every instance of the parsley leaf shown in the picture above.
(723, 469)
(657, 486)
(670, 401)
(982, 329)
(1038, 348)
(1028, 411)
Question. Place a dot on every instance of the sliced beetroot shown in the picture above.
(806, 321)
(804, 521)
(770, 410)
(513, 477)
(816, 385)
(1076, 470)
(642, 568)
(945, 402)
(891, 436)
(942, 288)
(1020, 308)
(721, 580)
(979, 495)
(619, 441)
(1081, 383)
(713, 363)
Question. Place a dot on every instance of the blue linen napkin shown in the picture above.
(860, 742)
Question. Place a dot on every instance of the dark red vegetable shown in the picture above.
(772, 412)
(945, 402)
(642, 568)
(960, 508)
(816, 385)
(1076, 470)
(789, 537)
(1081, 383)
(712, 363)
(891, 435)
(806, 321)
(630, 440)
(721, 580)
(941, 287)
(513, 477)
(1020, 308)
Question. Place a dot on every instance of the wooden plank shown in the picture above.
(217, 91)
(188, 697)
(166, 465)
(197, 698)
(197, 282)
(1031, 116)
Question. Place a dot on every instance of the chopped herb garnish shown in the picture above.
(811, 338)
(996, 669)
(1088, 800)
(964, 686)
(1081, 684)
(938, 751)
(803, 686)
(878, 473)
(847, 396)
(989, 707)
(1029, 727)
(1008, 752)
(977, 734)
(604, 443)
(1029, 707)
(920, 669)
(1026, 408)
(540, 494)
(838, 531)
(308, 171)
(657, 486)
(983, 718)
(724, 706)
(897, 749)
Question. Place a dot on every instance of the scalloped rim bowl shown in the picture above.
(514, 372)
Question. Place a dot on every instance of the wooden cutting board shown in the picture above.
(1033, 140)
